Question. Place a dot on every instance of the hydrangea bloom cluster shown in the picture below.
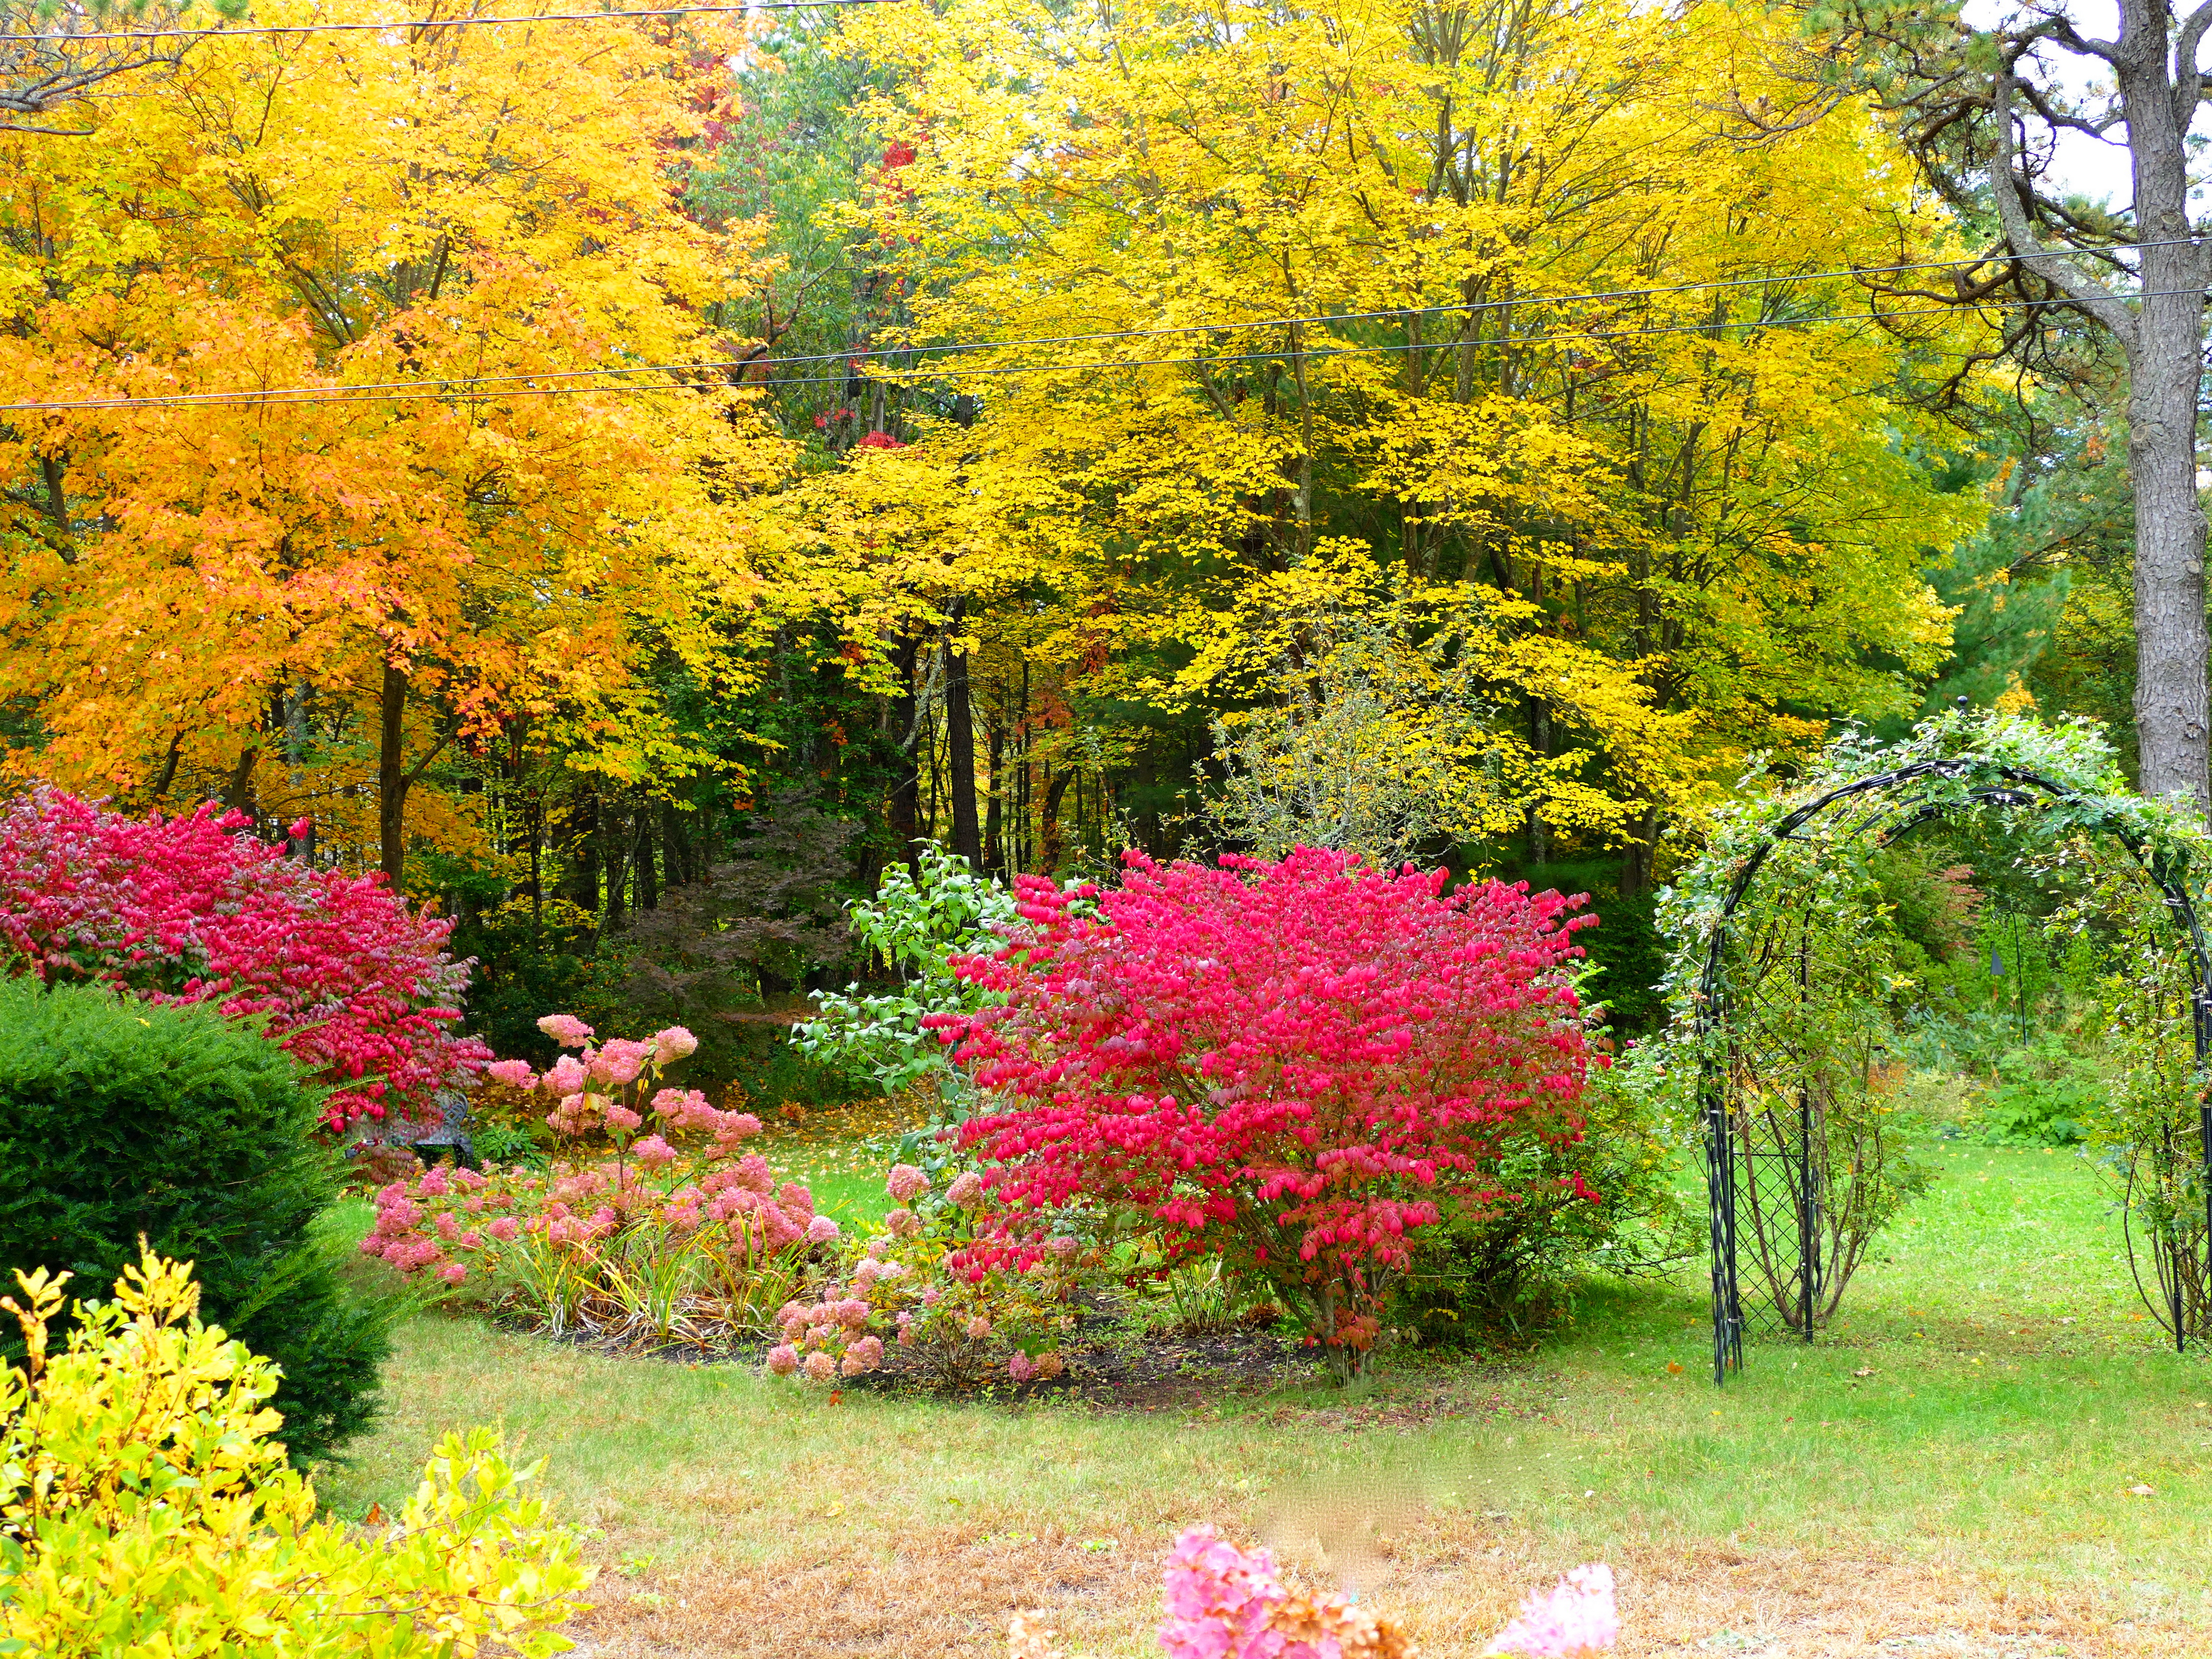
(1576, 1620)
(1223, 1604)
(680, 1234)
(952, 1323)
(356, 986)
(1278, 1062)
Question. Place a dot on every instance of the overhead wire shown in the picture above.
(429, 22)
(442, 389)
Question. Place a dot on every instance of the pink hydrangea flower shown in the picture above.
(453, 1272)
(782, 1359)
(566, 1030)
(905, 1183)
(900, 1223)
(851, 1312)
(978, 1329)
(966, 1191)
(673, 1043)
(1218, 1600)
(567, 1076)
(667, 1102)
(1576, 1620)
(1062, 1247)
(653, 1152)
(752, 1172)
(515, 1073)
(820, 1367)
(820, 1230)
(1020, 1367)
(621, 1120)
(621, 1061)
(931, 1296)
(503, 1229)
(736, 1125)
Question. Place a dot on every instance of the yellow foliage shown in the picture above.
(146, 1513)
(1660, 528)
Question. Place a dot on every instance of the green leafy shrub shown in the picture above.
(2045, 1096)
(121, 1120)
(1502, 1259)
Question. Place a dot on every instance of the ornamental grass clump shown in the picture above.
(357, 988)
(1284, 1065)
(677, 1236)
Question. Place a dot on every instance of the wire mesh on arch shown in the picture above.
(1756, 977)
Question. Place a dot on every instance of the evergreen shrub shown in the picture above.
(121, 1119)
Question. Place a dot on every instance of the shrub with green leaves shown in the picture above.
(121, 1120)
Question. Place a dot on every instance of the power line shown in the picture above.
(430, 22)
(371, 394)
(443, 386)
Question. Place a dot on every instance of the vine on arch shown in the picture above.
(1783, 999)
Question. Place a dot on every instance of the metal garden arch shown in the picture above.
(1995, 783)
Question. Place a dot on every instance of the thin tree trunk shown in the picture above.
(392, 775)
(960, 760)
(1055, 847)
(904, 811)
(648, 875)
(993, 855)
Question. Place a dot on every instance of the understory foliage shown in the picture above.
(124, 1124)
(1287, 1065)
(358, 988)
(147, 1511)
(676, 1238)
(917, 923)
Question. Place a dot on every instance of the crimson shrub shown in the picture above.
(356, 987)
(1282, 1063)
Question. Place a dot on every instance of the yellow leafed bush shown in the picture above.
(145, 1509)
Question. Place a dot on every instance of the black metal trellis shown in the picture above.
(1795, 1164)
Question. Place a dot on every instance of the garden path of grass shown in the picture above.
(1949, 1474)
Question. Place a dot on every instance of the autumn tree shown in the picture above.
(340, 353)
(1328, 267)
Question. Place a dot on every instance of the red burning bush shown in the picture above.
(356, 986)
(1280, 1063)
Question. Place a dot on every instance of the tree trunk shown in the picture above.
(2164, 366)
(993, 853)
(648, 873)
(1055, 847)
(392, 779)
(960, 761)
(677, 844)
(904, 811)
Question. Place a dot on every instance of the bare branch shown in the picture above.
(51, 60)
(2188, 80)
(2006, 189)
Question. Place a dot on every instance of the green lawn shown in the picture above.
(1971, 1486)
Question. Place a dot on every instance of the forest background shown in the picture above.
(631, 480)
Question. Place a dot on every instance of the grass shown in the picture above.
(1953, 1464)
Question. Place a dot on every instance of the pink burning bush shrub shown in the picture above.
(1280, 1063)
(680, 1237)
(356, 986)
